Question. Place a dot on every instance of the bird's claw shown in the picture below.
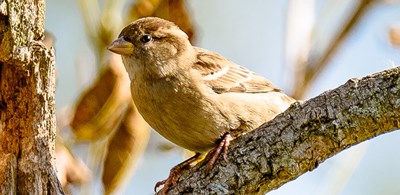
(160, 183)
(175, 173)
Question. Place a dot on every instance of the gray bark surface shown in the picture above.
(27, 101)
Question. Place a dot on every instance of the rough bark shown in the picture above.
(27, 101)
(302, 137)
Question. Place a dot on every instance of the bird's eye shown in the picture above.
(146, 38)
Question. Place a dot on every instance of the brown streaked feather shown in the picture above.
(225, 76)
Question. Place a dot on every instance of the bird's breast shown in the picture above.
(178, 113)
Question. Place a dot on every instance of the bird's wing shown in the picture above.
(225, 76)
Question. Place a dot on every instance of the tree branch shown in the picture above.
(302, 137)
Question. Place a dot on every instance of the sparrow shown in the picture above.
(193, 97)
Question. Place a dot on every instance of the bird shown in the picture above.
(193, 97)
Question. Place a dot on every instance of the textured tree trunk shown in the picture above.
(302, 137)
(27, 101)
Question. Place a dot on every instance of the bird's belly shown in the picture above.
(179, 117)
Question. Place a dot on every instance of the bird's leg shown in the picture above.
(211, 159)
(222, 147)
(175, 173)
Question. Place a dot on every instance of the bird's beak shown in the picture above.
(120, 46)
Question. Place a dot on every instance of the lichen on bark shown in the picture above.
(27, 85)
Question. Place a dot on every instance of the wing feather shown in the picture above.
(225, 76)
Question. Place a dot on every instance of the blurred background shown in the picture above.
(304, 47)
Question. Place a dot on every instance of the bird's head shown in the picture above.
(153, 45)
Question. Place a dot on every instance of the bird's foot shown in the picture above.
(175, 173)
(222, 148)
(210, 159)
